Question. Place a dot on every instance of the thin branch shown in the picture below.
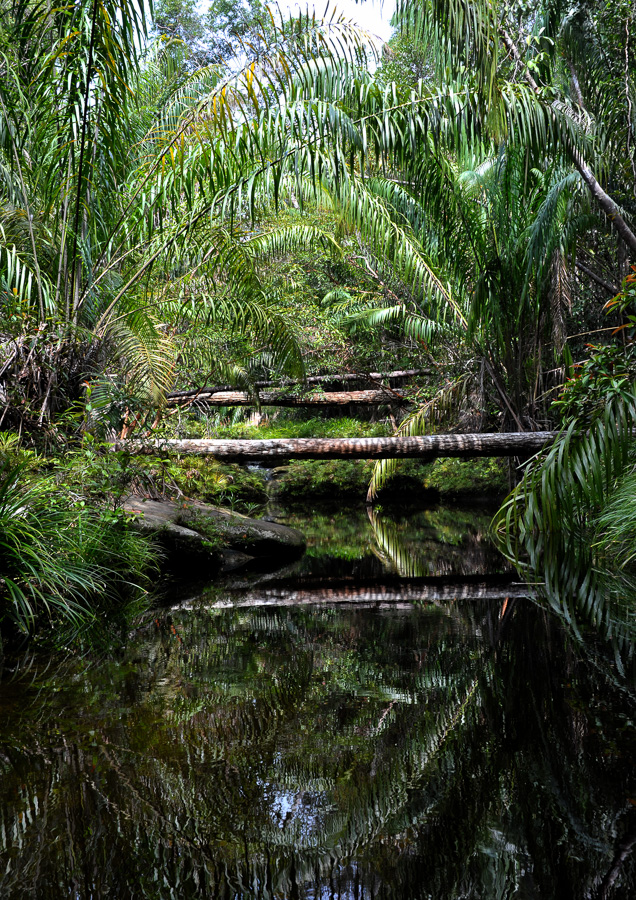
(613, 290)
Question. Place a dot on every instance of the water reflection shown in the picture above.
(431, 541)
(320, 752)
(594, 596)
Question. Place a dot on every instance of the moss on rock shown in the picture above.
(196, 535)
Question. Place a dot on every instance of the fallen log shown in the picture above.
(331, 398)
(347, 377)
(431, 446)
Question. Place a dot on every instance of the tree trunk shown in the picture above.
(312, 379)
(609, 287)
(606, 203)
(432, 446)
(609, 207)
(332, 398)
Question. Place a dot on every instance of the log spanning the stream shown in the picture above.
(329, 398)
(200, 394)
(431, 446)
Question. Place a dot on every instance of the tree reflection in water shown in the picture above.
(468, 751)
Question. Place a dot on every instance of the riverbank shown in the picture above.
(98, 527)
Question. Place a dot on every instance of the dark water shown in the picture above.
(427, 733)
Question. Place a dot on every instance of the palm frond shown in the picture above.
(398, 245)
(146, 352)
(23, 283)
(546, 526)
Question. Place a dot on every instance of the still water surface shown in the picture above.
(425, 732)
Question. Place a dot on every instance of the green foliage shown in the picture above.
(607, 376)
(112, 220)
(212, 37)
(563, 488)
(61, 559)
(323, 480)
(284, 427)
(406, 61)
(167, 245)
(132, 192)
(625, 303)
(431, 414)
(220, 484)
(615, 537)
(96, 474)
(549, 525)
(481, 477)
(179, 21)
(106, 478)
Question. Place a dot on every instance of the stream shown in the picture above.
(392, 716)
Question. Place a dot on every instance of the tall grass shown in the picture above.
(62, 561)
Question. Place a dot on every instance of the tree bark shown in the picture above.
(609, 287)
(609, 207)
(312, 379)
(432, 446)
(332, 398)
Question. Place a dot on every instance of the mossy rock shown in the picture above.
(195, 534)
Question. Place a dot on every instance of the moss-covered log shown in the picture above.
(427, 447)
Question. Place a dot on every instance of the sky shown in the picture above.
(371, 15)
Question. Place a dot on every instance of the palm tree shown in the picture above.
(127, 184)
(523, 81)
(114, 231)
(70, 78)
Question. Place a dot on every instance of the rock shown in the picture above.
(196, 533)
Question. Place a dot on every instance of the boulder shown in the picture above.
(197, 534)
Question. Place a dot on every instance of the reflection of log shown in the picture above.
(375, 594)
(330, 398)
(428, 447)
(202, 393)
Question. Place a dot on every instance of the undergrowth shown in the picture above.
(280, 426)
(65, 562)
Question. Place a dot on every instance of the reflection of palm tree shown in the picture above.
(465, 766)
(391, 549)
(443, 547)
